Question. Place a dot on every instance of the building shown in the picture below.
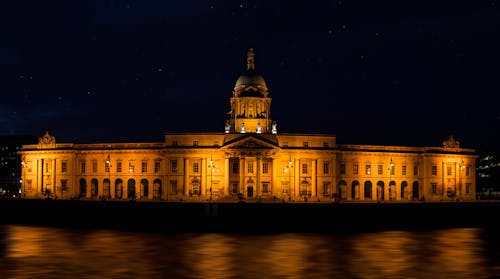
(10, 162)
(250, 160)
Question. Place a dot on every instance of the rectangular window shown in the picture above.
(342, 169)
(326, 167)
(174, 143)
(234, 188)
(144, 167)
(403, 170)
(434, 188)
(326, 189)
(415, 170)
(82, 166)
(354, 168)
(106, 166)
(64, 185)
(236, 167)
(46, 167)
(434, 170)
(157, 166)
(468, 187)
(304, 168)
(265, 187)
(305, 144)
(380, 169)
(30, 166)
(173, 165)
(467, 171)
(94, 166)
(28, 184)
(119, 166)
(250, 167)
(173, 187)
(368, 169)
(196, 167)
(448, 171)
(393, 169)
(195, 143)
(265, 167)
(64, 166)
(325, 144)
(131, 167)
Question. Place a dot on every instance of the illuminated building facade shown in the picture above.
(250, 160)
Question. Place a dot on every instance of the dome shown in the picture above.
(250, 78)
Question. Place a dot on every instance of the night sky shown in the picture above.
(370, 72)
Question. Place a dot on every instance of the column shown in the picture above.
(314, 186)
(204, 173)
(296, 185)
(242, 176)
(54, 187)
(225, 184)
(258, 190)
(186, 177)
(276, 190)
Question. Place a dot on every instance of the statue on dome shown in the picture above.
(274, 129)
(259, 128)
(242, 130)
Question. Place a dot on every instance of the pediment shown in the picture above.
(250, 142)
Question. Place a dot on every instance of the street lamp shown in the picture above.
(211, 166)
(391, 169)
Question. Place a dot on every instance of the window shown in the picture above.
(174, 143)
(305, 144)
(82, 166)
(467, 171)
(326, 167)
(30, 167)
(250, 167)
(173, 165)
(144, 167)
(28, 184)
(434, 188)
(342, 169)
(265, 167)
(326, 188)
(403, 169)
(64, 185)
(434, 169)
(355, 169)
(393, 169)
(325, 144)
(265, 187)
(234, 188)
(415, 170)
(236, 167)
(368, 169)
(448, 171)
(157, 166)
(196, 167)
(304, 168)
(195, 143)
(119, 166)
(173, 187)
(468, 187)
(130, 167)
(64, 166)
(46, 167)
(94, 166)
(380, 169)
(106, 166)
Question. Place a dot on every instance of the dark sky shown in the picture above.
(369, 72)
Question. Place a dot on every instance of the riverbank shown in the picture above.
(249, 217)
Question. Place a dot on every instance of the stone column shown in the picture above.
(225, 184)
(275, 189)
(186, 177)
(204, 173)
(258, 190)
(314, 186)
(296, 179)
(242, 176)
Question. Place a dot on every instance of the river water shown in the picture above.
(49, 252)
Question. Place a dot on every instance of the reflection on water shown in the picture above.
(41, 252)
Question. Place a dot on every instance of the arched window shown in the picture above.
(342, 190)
(355, 190)
(131, 189)
(106, 192)
(118, 188)
(415, 190)
(94, 188)
(83, 187)
(404, 190)
(380, 190)
(144, 188)
(157, 189)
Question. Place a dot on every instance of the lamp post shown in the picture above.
(108, 166)
(211, 166)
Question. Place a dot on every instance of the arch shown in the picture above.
(415, 190)
(380, 190)
(392, 190)
(94, 188)
(118, 188)
(144, 188)
(368, 189)
(355, 190)
(342, 190)
(157, 189)
(83, 187)
(106, 188)
(131, 189)
(404, 190)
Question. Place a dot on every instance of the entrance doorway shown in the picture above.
(250, 191)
